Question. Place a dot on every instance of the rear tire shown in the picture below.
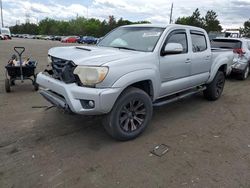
(244, 74)
(215, 88)
(7, 85)
(130, 115)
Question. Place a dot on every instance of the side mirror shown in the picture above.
(172, 48)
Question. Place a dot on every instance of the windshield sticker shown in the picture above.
(118, 42)
(151, 34)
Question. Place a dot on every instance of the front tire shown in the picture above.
(130, 115)
(215, 88)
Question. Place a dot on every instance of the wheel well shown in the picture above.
(146, 86)
(223, 68)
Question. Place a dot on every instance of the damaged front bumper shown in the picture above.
(79, 100)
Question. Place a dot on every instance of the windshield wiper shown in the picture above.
(125, 48)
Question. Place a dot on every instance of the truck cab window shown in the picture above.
(199, 42)
(180, 38)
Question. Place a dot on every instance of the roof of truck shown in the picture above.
(162, 26)
(146, 25)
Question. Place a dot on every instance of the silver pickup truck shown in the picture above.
(132, 69)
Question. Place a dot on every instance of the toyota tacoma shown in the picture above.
(131, 70)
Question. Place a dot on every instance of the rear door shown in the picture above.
(201, 57)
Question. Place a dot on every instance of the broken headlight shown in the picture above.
(89, 76)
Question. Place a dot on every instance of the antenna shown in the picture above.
(1, 12)
(27, 15)
(87, 12)
(171, 14)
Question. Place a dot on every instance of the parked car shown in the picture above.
(5, 32)
(20, 35)
(58, 38)
(99, 39)
(87, 40)
(14, 35)
(3, 37)
(44, 37)
(72, 39)
(29, 36)
(241, 48)
(48, 37)
(38, 36)
(132, 69)
(25, 36)
(231, 33)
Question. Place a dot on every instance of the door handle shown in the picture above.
(207, 57)
(188, 61)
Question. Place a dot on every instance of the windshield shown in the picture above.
(5, 31)
(133, 38)
(225, 43)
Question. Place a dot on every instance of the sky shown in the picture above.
(231, 13)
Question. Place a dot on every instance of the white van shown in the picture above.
(232, 34)
(5, 32)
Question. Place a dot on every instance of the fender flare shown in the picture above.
(138, 76)
(216, 67)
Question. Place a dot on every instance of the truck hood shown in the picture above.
(91, 55)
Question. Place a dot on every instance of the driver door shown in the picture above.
(175, 68)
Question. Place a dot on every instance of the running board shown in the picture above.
(176, 97)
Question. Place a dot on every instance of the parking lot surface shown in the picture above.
(209, 142)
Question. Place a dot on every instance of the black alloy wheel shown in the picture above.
(220, 85)
(215, 88)
(132, 115)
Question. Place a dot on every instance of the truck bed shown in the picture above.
(220, 50)
(220, 53)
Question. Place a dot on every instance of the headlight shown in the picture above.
(91, 75)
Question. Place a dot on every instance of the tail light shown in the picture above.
(239, 51)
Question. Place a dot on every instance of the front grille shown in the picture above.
(63, 70)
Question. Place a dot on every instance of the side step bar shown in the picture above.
(176, 97)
